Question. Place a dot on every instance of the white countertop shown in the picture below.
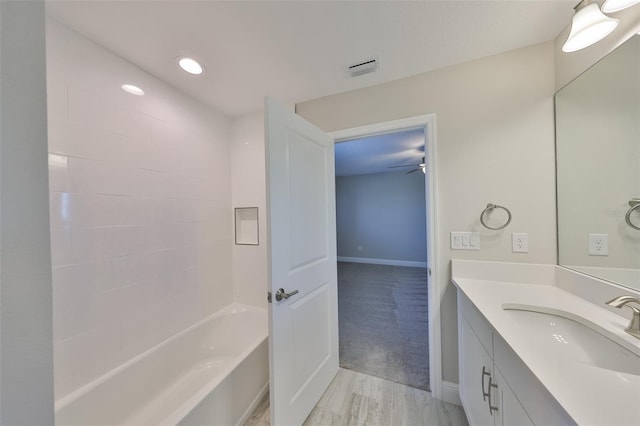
(590, 395)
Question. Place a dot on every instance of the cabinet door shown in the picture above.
(476, 367)
(510, 412)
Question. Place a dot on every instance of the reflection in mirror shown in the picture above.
(598, 168)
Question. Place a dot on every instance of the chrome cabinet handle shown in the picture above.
(492, 408)
(281, 294)
(484, 373)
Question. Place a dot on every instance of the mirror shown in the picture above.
(598, 168)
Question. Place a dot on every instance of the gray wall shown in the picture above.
(381, 216)
(26, 360)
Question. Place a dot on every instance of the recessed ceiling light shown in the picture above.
(191, 66)
(134, 90)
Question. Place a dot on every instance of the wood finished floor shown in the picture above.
(358, 399)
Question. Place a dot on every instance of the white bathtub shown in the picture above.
(212, 373)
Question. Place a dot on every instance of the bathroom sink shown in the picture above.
(555, 333)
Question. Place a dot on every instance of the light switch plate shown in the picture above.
(465, 241)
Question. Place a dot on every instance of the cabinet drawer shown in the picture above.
(477, 322)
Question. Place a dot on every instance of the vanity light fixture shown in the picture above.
(617, 5)
(134, 90)
(190, 65)
(588, 26)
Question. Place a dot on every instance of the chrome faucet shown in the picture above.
(634, 326)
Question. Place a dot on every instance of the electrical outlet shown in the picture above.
(598, 245)
(520, 242)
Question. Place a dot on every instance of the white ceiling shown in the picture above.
(298, 50)
(380, 153)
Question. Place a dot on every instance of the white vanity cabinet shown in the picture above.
(485, 394)
(475, 365)
(496, 388)
(546, 370)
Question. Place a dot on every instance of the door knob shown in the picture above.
(281, 294)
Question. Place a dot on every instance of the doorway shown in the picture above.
(301, 200)
(382, 257)
(350, 260)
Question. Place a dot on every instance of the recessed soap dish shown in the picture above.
(246, 220)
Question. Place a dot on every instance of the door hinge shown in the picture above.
(269, 298)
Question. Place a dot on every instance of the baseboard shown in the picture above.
(253, 405)
(451, 393)
(390, 262)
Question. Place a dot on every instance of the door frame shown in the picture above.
(435, 289)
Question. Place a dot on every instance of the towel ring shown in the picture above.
(490, 207)
(635, 205)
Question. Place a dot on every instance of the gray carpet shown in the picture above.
(383, 319)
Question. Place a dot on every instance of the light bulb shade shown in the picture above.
(588, 26)
(616, 5)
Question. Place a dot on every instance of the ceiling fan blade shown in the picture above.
(407, 165)
(414, 170)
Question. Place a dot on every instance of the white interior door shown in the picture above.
(303, 328)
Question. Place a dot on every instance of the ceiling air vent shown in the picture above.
(364, 67)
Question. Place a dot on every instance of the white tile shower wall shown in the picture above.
(249, 189)
(140, 205)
